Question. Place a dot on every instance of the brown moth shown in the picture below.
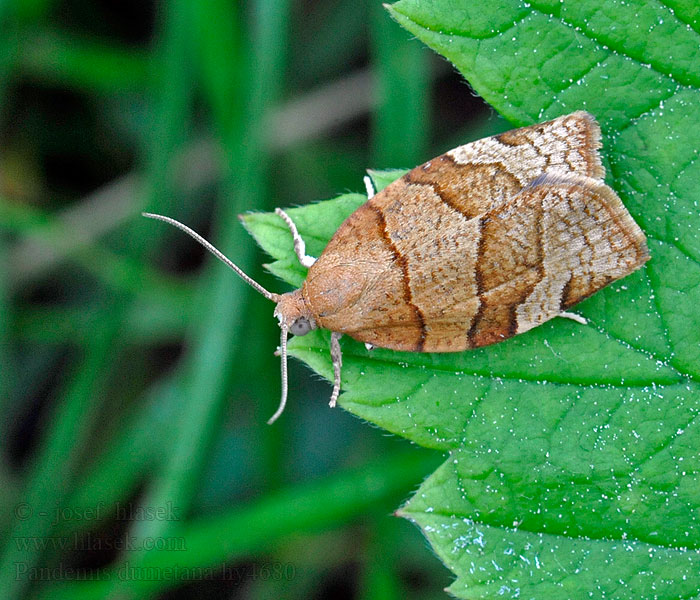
(484, 242)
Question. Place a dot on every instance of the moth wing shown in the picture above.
(424, 277)
(588, 240)
(477, 177)
(560, 240)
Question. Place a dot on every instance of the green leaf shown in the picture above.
(382, 178)
(573, 450)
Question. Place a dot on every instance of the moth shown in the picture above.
(469, 249)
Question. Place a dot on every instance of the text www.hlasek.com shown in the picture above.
(90, 543)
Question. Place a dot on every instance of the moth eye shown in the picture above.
(301, 326)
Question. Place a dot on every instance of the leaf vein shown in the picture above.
(588, 35)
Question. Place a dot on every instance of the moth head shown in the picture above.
(291, 310)
(293, 313)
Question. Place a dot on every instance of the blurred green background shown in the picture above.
(137, 374)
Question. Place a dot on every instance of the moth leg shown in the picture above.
(299, 245)
(337, 358)
(369, 187)
(574, 317)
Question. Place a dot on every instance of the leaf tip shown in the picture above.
(244, 219)
(389, 8)
(401, 513)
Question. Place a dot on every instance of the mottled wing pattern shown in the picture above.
(560, 241)
(478, 176)
(437, 263)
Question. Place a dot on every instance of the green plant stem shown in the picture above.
(255, 529)
(128, 275)
(401, 122)
(213, 344)
(52, 469)
(53, 56)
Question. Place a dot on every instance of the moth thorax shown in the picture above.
(294, 314)
(333, 286)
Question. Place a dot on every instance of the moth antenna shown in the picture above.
(216, 252)
(283, 399)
